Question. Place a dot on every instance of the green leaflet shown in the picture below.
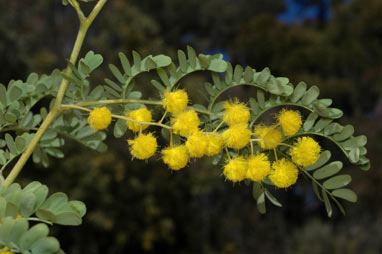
(22, 239)
(337, 182)
(328, 170)
(346, 194)
(33, 200)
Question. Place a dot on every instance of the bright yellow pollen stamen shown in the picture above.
(305, 151)
(175, 102)
(99, 118)
(235, 113)
(175, 157)
(215, 145)
(290, 121)
(271, 137)
(197, 144)
(258, 167)
(142, 115)
(237, 136)
(186, 123)
(143, 147)
(284, 173)
(236, 169)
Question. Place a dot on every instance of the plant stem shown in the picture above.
(39, 220)
(274, 150)
(18, 128)
(119, 117)
(84, 25)
(123, 101)
(120, 101)
(75, 107)
(164, 115)
(285, 144)
(139, 122)
(217, 127)
(226, 150)
(77, 7)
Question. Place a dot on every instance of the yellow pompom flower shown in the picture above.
(237, 136)
(186, 122)
(142, 115)
(284, 173)
(270, 136)
(175, 102)
(235, 113)
(197, 144)
(3, 250)
(236, 169)
(144, 146)
(258, 167)
(175, 157)
(290, 121)
(99, 118)
(215, 145)
(305, 151)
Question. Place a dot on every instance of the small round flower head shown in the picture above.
(284, 173)
(215, 145)
(175, 157)
(143, 147)
(197, 144)
(290, 121)
(3, 250)
(270, 136)
(175, 102)
(236, 169)
(237, 136)
(186, 122)
(142, 115)
(305, 151)
(99, 118)
(258, 167)
(235, 113)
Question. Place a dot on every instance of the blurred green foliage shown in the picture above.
(138, 207)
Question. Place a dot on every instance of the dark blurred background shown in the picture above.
(142, 207)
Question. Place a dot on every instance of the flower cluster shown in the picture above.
(235, 133)
(185, 122)
(282, 172)
(255, 167)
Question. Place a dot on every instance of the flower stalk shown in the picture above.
(84, 26)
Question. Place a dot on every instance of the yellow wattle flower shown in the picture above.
(236, 169)
(290, 121)
(215, 145)
(99, 118)
(305, 151)
(142, 115)
(270, 136)
(283, 174)
(186, 122)
(235, 113)
(237, 136)
(258, 167)
(175, 102)
(175, 157)
(197, 144)
(144, 146)
(2, 251)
